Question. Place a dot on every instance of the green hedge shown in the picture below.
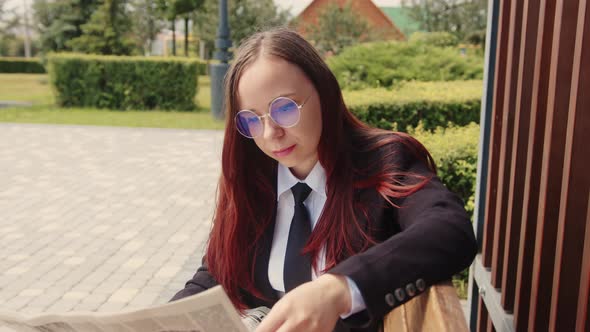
(21, 66)
(439, 38)
(202, 67)
(384, 64)
(454, 150)
(433, 103)
(123, 83)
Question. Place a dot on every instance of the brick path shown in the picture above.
(102, 218)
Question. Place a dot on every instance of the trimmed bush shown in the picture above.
(202, 67)
(440, 38)
(21, 66)
(124, 83)
(433, 103)
(384, 64)
(454, 150)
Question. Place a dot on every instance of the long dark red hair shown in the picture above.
(247, 195)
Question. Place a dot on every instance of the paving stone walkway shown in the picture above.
(102, 218)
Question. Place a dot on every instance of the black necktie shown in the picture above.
(297, 268)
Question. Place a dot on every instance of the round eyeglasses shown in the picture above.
(283, 111)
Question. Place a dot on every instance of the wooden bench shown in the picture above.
(437, 310)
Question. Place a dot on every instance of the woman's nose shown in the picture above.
(271, 129)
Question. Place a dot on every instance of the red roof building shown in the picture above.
(366, 8)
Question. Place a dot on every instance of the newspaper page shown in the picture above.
(209, 311)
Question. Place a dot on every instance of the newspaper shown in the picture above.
(209, 311)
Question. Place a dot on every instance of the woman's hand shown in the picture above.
(312, 307)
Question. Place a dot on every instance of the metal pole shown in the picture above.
(485, 128)
(218, 70)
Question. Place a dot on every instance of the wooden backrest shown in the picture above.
(437, 310)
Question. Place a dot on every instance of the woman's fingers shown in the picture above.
(272, 322)
(312, 307)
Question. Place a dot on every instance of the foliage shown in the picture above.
(14, 46)
(439, 39)
(183, 7)
(146, 23)
(383, 64)
(432, 103)
(123, 83)
(459, 17)
(454, 150)
(8, 18)
(34, 88)
(339, 27)
(245, 18)
(105, 26)
(8, 21)
(58, 22)
(172, 9)
(107, 32)
(21, 65)
(477, 37)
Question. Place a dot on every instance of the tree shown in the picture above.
(168, 12)
(146, 23)
(339, 27)
(459, 17)
(8, 21)
(185, 8)
(58, 22)
(245, 18)
(171, 10)
(107, 31)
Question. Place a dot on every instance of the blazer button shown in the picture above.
(399, 294)
(390, 299)
(410, 290)
(421, 285)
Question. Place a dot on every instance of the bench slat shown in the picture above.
(437, 310)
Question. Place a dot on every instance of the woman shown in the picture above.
(349, 221)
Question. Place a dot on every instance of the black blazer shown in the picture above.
(424, 241)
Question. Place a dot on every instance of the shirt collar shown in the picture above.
(316, 180)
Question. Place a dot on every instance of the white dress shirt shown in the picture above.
(314, 203)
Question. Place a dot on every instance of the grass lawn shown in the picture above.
(31, 88)
(34, 88)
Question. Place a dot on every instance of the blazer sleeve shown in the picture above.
(436, 241)
(201, 281)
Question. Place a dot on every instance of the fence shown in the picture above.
(533, 206)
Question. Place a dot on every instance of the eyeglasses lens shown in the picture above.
(248, 124)
(284, 112)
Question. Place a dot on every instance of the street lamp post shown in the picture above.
(218, 70)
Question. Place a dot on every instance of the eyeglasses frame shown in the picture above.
(267, 114)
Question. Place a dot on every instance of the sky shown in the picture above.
(296, 6)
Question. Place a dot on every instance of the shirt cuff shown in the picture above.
(357, 301)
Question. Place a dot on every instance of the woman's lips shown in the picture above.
(284, 152)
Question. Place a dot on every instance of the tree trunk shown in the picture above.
(173, 36)
(186, 36)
